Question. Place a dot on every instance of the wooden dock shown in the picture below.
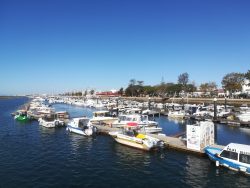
(170, 142)
(236, 123)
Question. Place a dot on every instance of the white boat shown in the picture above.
(81, 126)
(176, 114)
(103, 116)
(141, 120)
(131, 137)
(234, 156)
(50, 122)
(244, 116)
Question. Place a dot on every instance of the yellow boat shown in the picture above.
(129, 136)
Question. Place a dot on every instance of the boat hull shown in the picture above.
(213, 154)
(140, 141)
(86, 132)
(132, 144)
(21, 118)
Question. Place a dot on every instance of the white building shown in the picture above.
(246, 87)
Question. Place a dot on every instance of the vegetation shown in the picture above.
(136, 88)
(247, 76)
(232, 82)
(183, 80)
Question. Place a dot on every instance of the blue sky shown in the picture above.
(58, 45)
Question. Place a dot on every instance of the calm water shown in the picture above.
(33, 156)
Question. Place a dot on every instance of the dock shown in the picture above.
(174, 143)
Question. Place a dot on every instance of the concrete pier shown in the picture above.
(170, 142)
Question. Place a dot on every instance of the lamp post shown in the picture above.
(226, 104)
(117, 103)
(149, 103)
(215, 108)
(182, 101)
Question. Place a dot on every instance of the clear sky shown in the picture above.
(58, 45)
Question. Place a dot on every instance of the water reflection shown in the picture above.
(170, 127)
(176, 120)
(79, 142)
(245, 131)
(131, 156)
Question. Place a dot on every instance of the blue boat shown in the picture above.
(234, 156)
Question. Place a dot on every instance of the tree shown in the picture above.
(247, 76)
(85, 93)
(132, 82)
(92, 91)
(121, 91)
(208, 87)
(149, 90)
(191, 88)
(233, 81)
(175, 89)
(183, 79)
(140, 83)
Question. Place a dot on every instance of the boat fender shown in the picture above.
(217, 163)
(110, 125)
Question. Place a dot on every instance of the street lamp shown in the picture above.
(182, 101)
(215, 109)
(149, 103)
(225, 103)
(117, 103)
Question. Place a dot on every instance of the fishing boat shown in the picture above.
(234, 156)
(130, 136)
(82, 126)
(21, 116)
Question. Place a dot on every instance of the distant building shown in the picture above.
(246, 87)
(111, 93)
(221, 93)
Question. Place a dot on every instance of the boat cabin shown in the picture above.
(22, 112)
(62, 115)
(80, 123)
(103, 113)
(131, 129)
(133, 118)
(237, 152)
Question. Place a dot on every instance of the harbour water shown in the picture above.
(34, 156)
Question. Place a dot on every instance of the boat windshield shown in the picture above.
(229, 154)
(244, 158)
(129, 132)
(144, 118)
(83, 122)
(49, 118)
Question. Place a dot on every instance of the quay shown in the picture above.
(174, 143)
(220, 101)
